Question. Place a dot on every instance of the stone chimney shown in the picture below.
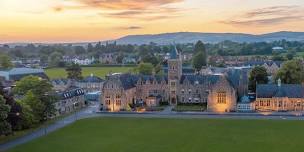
(279, 82)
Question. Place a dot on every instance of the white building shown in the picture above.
(245, 105)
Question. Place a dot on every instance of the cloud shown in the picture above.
(267, 16)
(130, 28)
(147, 15)
(127, 4)
(127, 9)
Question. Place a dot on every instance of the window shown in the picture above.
(221, 97)
(118, 102)
(108, 102)
(183, 91)
(189, 91)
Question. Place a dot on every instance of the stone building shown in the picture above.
(90, 83)
(272, 67)
(70, 100)
(280, 97)
(119, 91)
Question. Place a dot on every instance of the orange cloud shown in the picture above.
(267, 16)
(127, 4)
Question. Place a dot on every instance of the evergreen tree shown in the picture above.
(257, 75)
(74, 72)
(200, 56)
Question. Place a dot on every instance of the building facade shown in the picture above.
(122, 90)
(280, 97)
(70, 100)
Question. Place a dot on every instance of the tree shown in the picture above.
(120, 58)
(199, 47)
(90, 48)
(277, 58)
(5, 127)
(79, 50)
(200, 57)
(292, 72)
(5, 62)
(198, 61)
(27, 116)
(36, 106)
(13, 117)
(74, 72)
(36, 93)
(145, 68)
(55, 58)
(34, 84)
(258, 75)
(290, 55)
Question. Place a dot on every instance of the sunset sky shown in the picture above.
(94, 20)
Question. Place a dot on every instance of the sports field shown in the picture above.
(86, 71)
(172, 135)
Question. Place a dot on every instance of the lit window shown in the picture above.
(221, 97)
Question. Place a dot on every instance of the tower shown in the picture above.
(174, 74)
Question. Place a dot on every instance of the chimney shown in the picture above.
(279, 82)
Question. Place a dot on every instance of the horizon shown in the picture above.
(103, 41)
(80, 21)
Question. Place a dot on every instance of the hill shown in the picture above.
(190, 37)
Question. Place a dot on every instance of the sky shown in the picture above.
(52, 21)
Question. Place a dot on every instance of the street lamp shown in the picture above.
(75, 108)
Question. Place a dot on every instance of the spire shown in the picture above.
(174, 53)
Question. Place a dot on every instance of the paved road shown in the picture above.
(90, 112)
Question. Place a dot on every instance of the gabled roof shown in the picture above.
(285, 90)
(92, 79)
(260, 63)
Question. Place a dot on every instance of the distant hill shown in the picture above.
(190, 37)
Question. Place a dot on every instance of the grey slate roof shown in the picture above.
(92, 79)
(201, 79)
(285, 90)
(259, 63)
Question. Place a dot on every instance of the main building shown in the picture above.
(122, 90)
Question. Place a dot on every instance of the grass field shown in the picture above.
(172, 135)
(86, 71)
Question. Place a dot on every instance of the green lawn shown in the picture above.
(172, 135)
(86, 71)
